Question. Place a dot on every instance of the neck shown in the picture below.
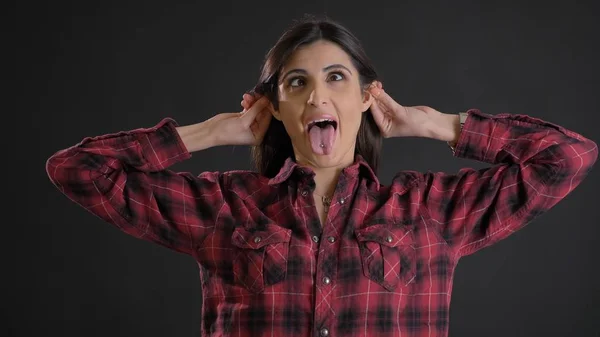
(326, 178)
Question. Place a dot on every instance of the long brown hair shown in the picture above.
(276, 146)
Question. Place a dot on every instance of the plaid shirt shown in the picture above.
(383, 263)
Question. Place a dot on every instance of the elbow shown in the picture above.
(593, 156)
(58, 167)
(52, 165)
(587, 153)
(578, 160)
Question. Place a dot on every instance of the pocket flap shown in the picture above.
(256, 239)
(386, 235)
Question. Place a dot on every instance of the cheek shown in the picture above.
(290, 117)
(350, 110)
(352, 124)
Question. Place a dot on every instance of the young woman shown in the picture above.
(311, 244)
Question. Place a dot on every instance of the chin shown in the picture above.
(326, 160)
(337, 157)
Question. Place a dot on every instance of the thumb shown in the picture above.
(382, 98)
(378, 115)
(249, 115)
(262, 121)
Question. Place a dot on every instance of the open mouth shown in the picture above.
(322, 135)
(322, 123)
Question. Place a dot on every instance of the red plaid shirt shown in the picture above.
(383, 263)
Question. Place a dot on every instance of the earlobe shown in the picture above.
(274, 112)
(367, 100)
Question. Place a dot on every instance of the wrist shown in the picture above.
(444, 127)
(197, 137)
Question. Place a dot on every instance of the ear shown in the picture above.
(367, 99)
(276, 114)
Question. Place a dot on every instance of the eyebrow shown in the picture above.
(304, 72)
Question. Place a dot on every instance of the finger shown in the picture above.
(378, 115)
(261, 123)
(249, 99)
(252, 111)
(375, 85)
(382, 97)
(245, 105)
(264, 117)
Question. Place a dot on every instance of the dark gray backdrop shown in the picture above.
(89, 68)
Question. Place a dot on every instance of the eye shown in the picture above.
(296, 82)
(337, 76)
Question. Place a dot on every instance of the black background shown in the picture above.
(88, 68)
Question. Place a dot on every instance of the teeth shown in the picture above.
(320, 120)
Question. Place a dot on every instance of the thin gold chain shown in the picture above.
(325, 200)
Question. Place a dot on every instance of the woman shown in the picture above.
(312, 244)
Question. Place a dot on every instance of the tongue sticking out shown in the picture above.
(321, 139)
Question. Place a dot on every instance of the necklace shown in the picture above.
(325, 200)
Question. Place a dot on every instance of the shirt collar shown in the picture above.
(360, 166)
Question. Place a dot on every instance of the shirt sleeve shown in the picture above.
(124, 179)
(535, 165)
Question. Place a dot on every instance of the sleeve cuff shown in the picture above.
(162, 145)
(475, 139)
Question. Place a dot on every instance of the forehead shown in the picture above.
(317, 55)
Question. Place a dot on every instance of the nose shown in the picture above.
(318, 96)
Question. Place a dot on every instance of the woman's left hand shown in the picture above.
(395, 120)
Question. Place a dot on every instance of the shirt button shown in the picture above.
(326, 280)
(315, 238)
(342, 201)
(331, 239)
(389, 238)
(304, 193)
(324, 332)
(257, 239)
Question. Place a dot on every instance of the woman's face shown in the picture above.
(321, 104)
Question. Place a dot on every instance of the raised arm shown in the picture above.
(535, 165)
(124, 178)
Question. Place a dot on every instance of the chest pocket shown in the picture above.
(387, 254)
(260, 257)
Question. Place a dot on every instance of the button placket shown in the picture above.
(325, 274)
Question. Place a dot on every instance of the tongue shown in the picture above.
(321, 139)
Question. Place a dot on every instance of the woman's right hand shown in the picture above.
(247, 127)
(249, 99)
